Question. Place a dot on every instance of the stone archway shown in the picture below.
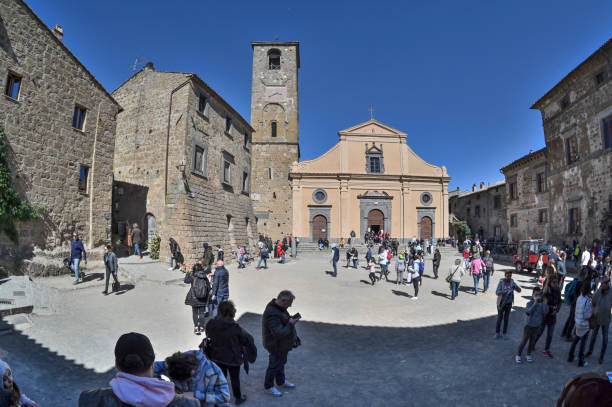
(376, 220)
(426, 228)
(319, 228)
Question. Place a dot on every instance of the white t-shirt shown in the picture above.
(586, 256)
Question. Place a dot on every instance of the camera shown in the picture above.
(296, 316)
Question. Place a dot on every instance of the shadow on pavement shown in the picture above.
(439, 294)
(124, 288)
(401, 293)
(93, 276)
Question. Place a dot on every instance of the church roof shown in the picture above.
(371, 128)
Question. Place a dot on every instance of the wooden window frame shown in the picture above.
(11, 78)
(85, 189)
(75, 117)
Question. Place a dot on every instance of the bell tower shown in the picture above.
(275, 142)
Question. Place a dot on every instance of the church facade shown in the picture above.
(371, 180)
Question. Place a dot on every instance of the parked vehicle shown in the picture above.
(528, 251)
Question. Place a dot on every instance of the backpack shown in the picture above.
(264, 252)
(389, 256)
(570, 292)
(201, 288)
(489, 263)
(422, 266)
(401, 265)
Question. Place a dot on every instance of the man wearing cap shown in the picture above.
(135, 385)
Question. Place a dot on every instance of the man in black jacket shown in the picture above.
(112, 267)
(436, 262)
(279, 337)
(220, 288)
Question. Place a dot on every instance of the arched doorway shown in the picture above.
(376, 220)
(426, 228)
(151, 225)
(319, 228)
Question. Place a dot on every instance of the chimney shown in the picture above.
(149, 66)
(474, 188)
(58, 31)
(482, 184)
(457, 189)
(530, 151)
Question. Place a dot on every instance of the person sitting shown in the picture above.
(320, 244)
(207, 382)
(135, 385)
(11, 395)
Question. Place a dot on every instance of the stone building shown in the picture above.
(370, 180)
(60, 126)
(527, 197)
(182, 164)
(577, 120)
(484, 210)
(274, 116)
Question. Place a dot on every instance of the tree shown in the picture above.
(462, 230)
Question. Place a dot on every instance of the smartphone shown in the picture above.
(296, 316)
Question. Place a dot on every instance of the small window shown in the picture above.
(497, 202)
(468, 212)
(571, 149)
(513, 220)
(245, 181)
(269, 173)
(274, 59)
(374, 164)
(202, 103)
(13, 85)
(543, 216)
(78, 118)
(607, 132)
(273, 129)
(199, 160)
(228, 125)
(246, 139)
(477, 211)
(574, 221)
(600, 78)
(512, 191)
(564, 104)
(274, 195)
(83, 177)
(227, 172)
(541, 182)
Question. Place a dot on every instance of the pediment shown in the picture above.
(371, 128)
(375, 195)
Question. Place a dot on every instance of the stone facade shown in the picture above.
(186, 153)
(274, 116)
(527, 197)
(484, 210)
(46, 152)
(576, 116)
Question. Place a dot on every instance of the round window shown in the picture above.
(426, 198)
(319, 196)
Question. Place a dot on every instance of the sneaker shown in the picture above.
(414, 298)
(288, 385)
(547, 354)
(105, 292)
(584, 364)
(75, 282)
(498, 336)
(170, 268)
(518, 359)
(274, 391)
(529, 358)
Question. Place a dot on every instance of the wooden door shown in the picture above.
(319, 228)
(376, 220)
(426, 228)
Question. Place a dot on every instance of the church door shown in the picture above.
(376, 220)
(319, 228)
(426, 232)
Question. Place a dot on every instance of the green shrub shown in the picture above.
(154, 247)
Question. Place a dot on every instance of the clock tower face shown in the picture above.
(275, 94)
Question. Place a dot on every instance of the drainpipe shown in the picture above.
(168, 136)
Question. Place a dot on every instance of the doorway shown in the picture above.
(376, 220)
(426, 228)
(151, 225)
(319, 228)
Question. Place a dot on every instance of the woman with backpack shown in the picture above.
(197, 296)
(415, 276)
(400, 267)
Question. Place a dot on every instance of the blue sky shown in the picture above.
(457, 76)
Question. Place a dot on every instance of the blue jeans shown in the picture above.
(334, 262)
(172, 261)
(137, 249)
(485, 281)
(264, 260)
(75, 268)
(355, 263)
(218, 300)
(454, 289)
(476, 280)
(604, 339)
(282, 258)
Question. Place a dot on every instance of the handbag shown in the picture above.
(409, 277)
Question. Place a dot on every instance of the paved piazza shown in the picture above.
(362, 345)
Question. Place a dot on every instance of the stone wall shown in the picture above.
(45, 151)
(274, 99)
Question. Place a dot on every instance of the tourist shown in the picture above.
(220, 287)
(455, 273)
(354, 257)
(281, 254)
(197, 375)
(436, 262)
(382, 262)
(602, 304)
(341, 242)
(208, 258)
(466, 258)
(505, 297)
(242, 257)
(134, 384)
(348, 258)
(11, 395)
(570, 294)
(421, 268)
(415, 277)
(535, 311)
(279, 337)
(77, 251)
(576, 256)
(400, 267)
(552, 298)
(561, 269)
(584, 310)
(586, 390)
(137, 240)
(297, 242)
(586, 256)
(198, 296)
(230, 346)
(335, 256)
(489, 269)
(372, 269)
(263, 256)
(477, 269)
(369, 254)
(220, 253)
(174, 250)
(112, 267)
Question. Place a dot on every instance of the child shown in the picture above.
(10, 395)
(372, 266)
(281, 254)
(535, 311)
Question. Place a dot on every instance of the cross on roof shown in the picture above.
(371, 109)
